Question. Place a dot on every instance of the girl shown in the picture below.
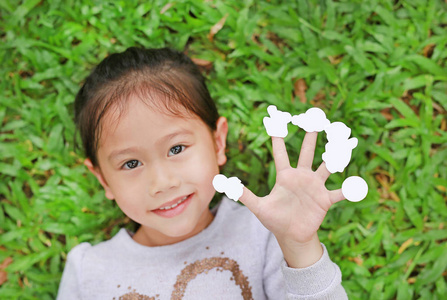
(154, 140)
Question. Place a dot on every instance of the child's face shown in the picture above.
(150, 160)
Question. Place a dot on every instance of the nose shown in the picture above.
(163, 178)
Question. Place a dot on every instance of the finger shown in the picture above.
(323, 172)
(308, 150)
(280, 154)
(336, 196)
(250, 200)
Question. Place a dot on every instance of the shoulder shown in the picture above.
(86, 252)
(77, 253)
(70, 284)
(86, 265)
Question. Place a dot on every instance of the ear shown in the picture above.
(98, 174)
(220, 139)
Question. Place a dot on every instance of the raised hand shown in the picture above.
(297, 204)
(299, 201)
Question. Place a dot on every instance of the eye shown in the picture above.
(131, 164)
(176, 150)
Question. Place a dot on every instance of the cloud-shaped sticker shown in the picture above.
(232, 187)
(314, 119)
(339, 147)
(276, 124)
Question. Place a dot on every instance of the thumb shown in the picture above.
(250, 200)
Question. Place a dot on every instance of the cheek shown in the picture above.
(129, 199)
(207, 160)
(127, 189)
(201, 168)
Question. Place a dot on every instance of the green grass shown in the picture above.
(379, 66)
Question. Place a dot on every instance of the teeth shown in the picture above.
(174, 205)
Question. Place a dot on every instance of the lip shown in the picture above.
(175, 211)
(170, 203)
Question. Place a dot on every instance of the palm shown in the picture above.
(299, 201)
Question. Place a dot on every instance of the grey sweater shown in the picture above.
(235, 257)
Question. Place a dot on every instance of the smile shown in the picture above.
(175, 209)
(174, 205)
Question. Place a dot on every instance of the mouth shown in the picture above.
(174, 207)
(176, 203)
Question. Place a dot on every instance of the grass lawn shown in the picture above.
(379, 66)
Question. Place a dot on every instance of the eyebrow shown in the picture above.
(173, 135)
(124, 151)
(114, 154)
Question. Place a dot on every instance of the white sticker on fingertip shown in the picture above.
(339, 147)
(313, 120)
(276, 124)
(232, 187)
(354, 188)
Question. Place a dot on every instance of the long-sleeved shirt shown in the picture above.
(235, 257)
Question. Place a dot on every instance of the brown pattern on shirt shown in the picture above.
(200, 266)
(192, 270)
(136, 296)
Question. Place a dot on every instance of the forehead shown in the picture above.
(136, 120)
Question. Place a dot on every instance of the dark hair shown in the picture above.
(171, 75)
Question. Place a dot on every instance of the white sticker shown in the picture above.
(314, 119)
(276, 124)
(339, 147)
(354, 188)
(232, 187)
